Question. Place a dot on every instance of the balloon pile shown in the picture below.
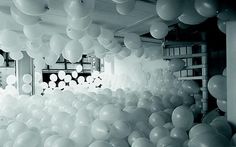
(119, 118)
(218, 89)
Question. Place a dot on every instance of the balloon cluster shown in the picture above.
(124, 7)
(218, 89)
(106, 118)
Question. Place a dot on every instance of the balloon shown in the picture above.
(135, 135)
(100, 130)
(27, 138)
(106, 36)
(50, 140)
(100, 144)
(158, 30)
(119, 1)
(63, 142)
(26, 88)
(16, 55)
(179, 134)
(126, 7)
(200, 129)
(27, 78)
(68, 78)
(57, 43)
(39, 63)
(141, 142)
(169, 141)
(217, 87)
(73, 33)
(176, 64)
(32, 32)
(22, 18)
(157, 133)
(79, 68)
(227, 13)
(94, 30)
(30, 7)
(2, 60)
(110, 113)
(61, 74)
(182, 117)
(156, 119)
(79, 8)
(119, 143)
(16, 128)
(51, 58)
(73, 51)
(120, 129)
(169, 9)
(125, 52)
(191, 86)
(81, 136)
(74, 74)
(222, 105)
(221, 25)
(86, 41)
(132, 41)
(190, 16)
(11, 79)
(53, 77)
(222, 126)
(4, 137)
(224, 73)
(8, 39)
(207, 8)
(209, 139)
(79, 23)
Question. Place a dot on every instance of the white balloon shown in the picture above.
(2, 60)
(126, 7)
(132, 41)
(86, 41)
(51, 58)
(16, 55)
(30, 7)
(27, 138)
(79, 68)
(79, 8)
(53, 77)
(9, 39)
(57, 43)
(73, 51)
(73, 33)
(79, 23)
(26, 88)
(221, 25)
(22, 18)
(61, 74)
(159, 29)
(94, 30)
(119, 1)
(125, 52)
(11, 79)
(27, 78)
(74, 74)
(33, 32)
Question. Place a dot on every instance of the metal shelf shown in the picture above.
(185, 56)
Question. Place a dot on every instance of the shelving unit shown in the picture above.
(195, 56)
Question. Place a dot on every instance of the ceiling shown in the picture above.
(55, 19)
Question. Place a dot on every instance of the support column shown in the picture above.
(231, 71)
(204, 80)
(24, 66)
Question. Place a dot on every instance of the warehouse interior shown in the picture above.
(117, 73)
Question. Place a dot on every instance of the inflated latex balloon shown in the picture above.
(190, 16)
(222, 105)
(86, 41)
(176, 64)
(169, 142)
(119, 143)
(39, 63)
(4, 137)
(125, 52)
(157, 133)
(73, 33)
(222, 126)
(8, 38)
(32, 32)
(27, 138)
(94, 30)
(182, 117)
(79, 68)
(221, 25)
(200, 129)
(157, 119)
(190, 86)
(2, 60)
(64, 142)
(126, 7)
(16, 55)
(179, 134)
(100, 144)
(141, 142)
(27, 78)
(11, 79)
(68, 78)
(100, 130)
(227, 13)
(53, 77)
(50, 140)
(73, 51)
(26, 88)
(79, 8)
(159, 29)
(110, 113)
(74, 74)
(61, 74)
(224, 73)
(57, 43)
(217, 87)
(209, 139)
(30, 7)
(79, 23)
(207, 8)
(51, 58)
(120, 129)
(22, 18)
(16, 128)
(169, 9)
(135, 135)
(106, 36)
(132, 41)
(119, 1)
